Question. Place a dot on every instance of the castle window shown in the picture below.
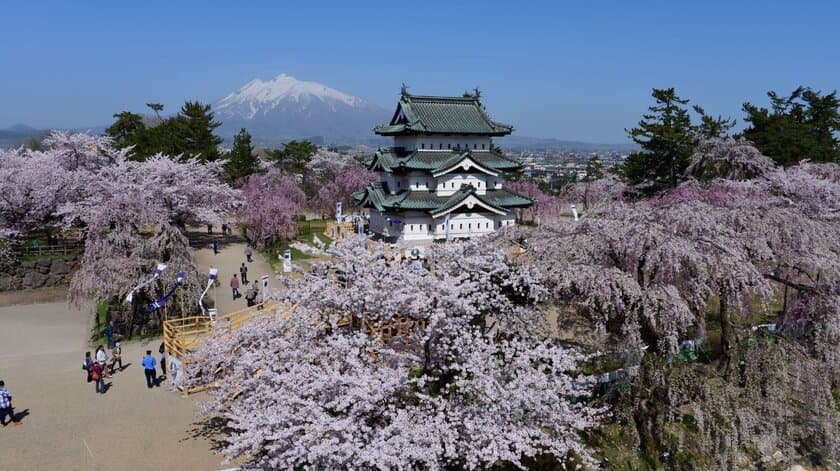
(412, 228)
(460, 226)
(448, 145)
(482, 146)
(422, 146)
(440, 145)
(475, 146)
(469, 226)
(451, 226)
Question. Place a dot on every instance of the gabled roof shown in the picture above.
(392, 159)
(465, 196)
(416, 114)
(376, 195)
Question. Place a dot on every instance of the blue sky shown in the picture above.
(570, 70)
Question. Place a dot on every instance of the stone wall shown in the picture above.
(30, 274)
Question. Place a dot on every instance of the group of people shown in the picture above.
(226, 229)
(100, 365)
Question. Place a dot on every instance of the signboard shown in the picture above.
(287, 261)
(264, 281)
(574, 212)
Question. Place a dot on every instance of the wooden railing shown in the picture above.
(335, 230)
(182, 336)
(63, 249)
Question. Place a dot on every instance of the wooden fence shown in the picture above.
(64, 249)
(182, 336)
(335, 230)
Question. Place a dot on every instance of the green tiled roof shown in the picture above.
(417, 114)
(376, 196)
(392, 159)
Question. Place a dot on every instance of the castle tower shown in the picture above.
(442, 177)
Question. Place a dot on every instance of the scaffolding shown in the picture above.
(339, 230)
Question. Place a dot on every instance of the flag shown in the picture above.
(211, 278)
(338, 211)
(158, 271)
(446, 226)
(160, 302)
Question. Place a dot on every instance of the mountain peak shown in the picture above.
(259, 97)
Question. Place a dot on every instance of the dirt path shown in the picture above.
(230, 257)
(128, 428)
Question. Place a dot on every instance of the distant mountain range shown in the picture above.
(284, 108)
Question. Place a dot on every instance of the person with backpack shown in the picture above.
(149, 369)
(102, 359)
(215, 247)
(97, 374)
(88, 366)
(6, 405)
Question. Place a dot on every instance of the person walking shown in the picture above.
(88, 365)
(149, 369)
(6, 406)
(109, 334)
(248, 252)
(215, 247)
(243, 272)
(102, 359)
(209, 228)
(98, 376)
(116, 354)
(162, 351)
(234, 287)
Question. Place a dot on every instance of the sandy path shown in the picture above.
(129, 427)
(228, 260)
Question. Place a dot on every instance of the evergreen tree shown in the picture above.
(242, 161)
(712, 127)
(666, 137)
(294, 156)
(127, 131)
(194, 136)
(800, 126)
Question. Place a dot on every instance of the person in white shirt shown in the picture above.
(102, 358)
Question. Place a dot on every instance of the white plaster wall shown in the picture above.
(451, 182)
(443, 143)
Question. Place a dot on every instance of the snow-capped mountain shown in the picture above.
(286, 108)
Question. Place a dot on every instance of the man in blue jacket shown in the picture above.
(149, 369)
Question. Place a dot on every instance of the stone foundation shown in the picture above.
(32, 274)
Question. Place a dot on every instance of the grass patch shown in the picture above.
(306, 230)
(50, 256)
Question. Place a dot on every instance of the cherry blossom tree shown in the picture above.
(272, 203)
(546, 207)
(592, 195)
(470, 387)
(729, 158)
(340, 188)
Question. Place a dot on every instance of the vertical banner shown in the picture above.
(361, 229)
(446, 226)
(338, 212)
(158, 272)
(287, 261)
(210, 279)
(574, 212)
(264, 290)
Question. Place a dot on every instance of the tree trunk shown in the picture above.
(728, 336)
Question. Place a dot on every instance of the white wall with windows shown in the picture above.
(447, 142)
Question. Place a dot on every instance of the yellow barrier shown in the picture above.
(336, 231)
(182, 336)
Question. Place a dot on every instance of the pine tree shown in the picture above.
(666, 137)
(800, 126)
(242, 161)
(194, 136)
